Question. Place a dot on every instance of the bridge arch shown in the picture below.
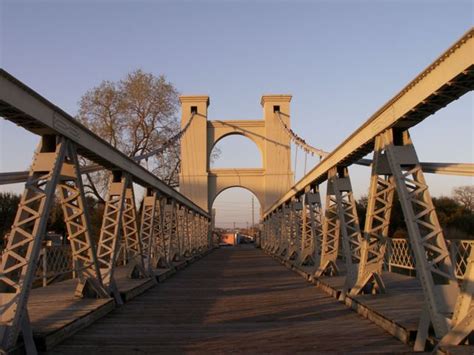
(219, 130)
(259, 198)
(219, 182)
(236, 206)
(201, 183)
(248, 144)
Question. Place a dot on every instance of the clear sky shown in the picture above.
(341, 61)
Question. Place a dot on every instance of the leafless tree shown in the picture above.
(137, 115)
(465, 196)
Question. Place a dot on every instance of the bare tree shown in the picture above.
(136, 115)
(465, 196)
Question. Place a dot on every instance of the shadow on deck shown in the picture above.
(235, 300)
(56, 314)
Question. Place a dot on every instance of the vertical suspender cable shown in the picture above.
(296, 157)
(305, 160)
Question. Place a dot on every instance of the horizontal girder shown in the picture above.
(445, 80)
(26, 108)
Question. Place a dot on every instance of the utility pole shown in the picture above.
(253, 213)
(213, 220)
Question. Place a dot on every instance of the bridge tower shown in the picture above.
(201, 184)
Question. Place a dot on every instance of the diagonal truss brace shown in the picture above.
(433, 262)
(285, 233)
(159, 250)
(276, 231)
(169, 230)
(181, 225)
(148, 228)
(111, 231)
(463, 317)
(351, 237)
(177, 241)
(188, 226)
(194, 233)
(73, 203)
(295, 234)
(312, 228)
(131, 236)
(331, 232)
(55, 165)
(379, 208)
(22, 251)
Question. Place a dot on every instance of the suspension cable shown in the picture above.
(305, 159)
(166, 144)
(300, 141)
(296, 158)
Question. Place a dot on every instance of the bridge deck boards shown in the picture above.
(235, 299)
(56, 314)
(130, 288)
(397, 311)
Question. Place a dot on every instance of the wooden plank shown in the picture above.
(162, 274)
(130, 288)
(234, 300)
(457, 350)
(55, 313)
(397, 311)
(179, 265)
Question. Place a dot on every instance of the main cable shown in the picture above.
(166, 144)
(300, 141)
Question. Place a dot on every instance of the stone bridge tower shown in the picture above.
(202, 185)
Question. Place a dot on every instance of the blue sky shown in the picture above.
(341, 61)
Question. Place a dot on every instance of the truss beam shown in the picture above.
(111, 231)
(23, 106)
(147, 229)
(379, 208)
(312, 228)
(447, 79)
(433, 262)
(331, 232)
(73, 203)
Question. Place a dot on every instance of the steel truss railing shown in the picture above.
(170, 228)
(337, 234)
(400, 256)
(449, 305)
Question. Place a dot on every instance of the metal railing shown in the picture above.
(400, 256)
(55, 264)
(460, 250)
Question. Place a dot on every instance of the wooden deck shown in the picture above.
(131, 288)
(56, 314)
(234, 300)
(397, 311)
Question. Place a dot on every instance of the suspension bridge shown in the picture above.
(155, 280)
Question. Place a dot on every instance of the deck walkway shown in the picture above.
(233, 300)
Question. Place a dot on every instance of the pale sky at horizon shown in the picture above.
(340, 60)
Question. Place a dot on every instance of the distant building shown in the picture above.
(235, 238)
(229, 238)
